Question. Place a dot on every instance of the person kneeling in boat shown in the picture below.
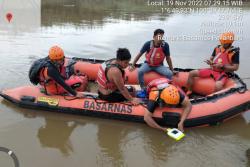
(224, 59)
(53, 76)
(111, 79)
(162, 91)
(156, 51)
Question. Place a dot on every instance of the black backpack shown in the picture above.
(35, 69)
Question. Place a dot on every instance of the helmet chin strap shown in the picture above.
(57, 64)
(227, 46)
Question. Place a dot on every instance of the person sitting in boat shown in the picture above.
(224, 59)
(156, 51)
(53, 75)
(161, 91)
(111, 78)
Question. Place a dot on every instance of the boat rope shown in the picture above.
(241, 89)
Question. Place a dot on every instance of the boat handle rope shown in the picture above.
(143, 104)
(90, 96)
(242, 89)
(74, 98)
(125, 103)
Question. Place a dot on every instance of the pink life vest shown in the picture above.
(155, 56)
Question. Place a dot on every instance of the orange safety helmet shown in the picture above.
(170, 95)
(56, 53)
(227, 38)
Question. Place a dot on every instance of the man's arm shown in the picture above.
(187, 107)
(210, 60)
(235, 63)
(166, 51)
(144, 49)
(55, 75)
(231, 68)
(169, 61)
(148, 115)
(136, 58)
(151, 122)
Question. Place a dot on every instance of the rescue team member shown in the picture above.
(161, 91)
(53, 75)
(225, 58)
(156, 51)
(111, 78)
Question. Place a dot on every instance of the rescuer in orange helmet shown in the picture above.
(224, 59)
(162, 91)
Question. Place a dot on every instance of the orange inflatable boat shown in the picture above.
(208, 108)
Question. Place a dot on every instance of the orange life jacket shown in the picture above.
(77, 82)
(102, 79)
(223, 56)
(51, 86)
(155, 56)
